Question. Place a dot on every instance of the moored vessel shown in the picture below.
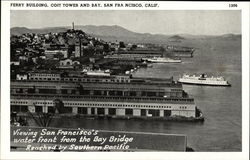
(163, 60)
(98, 73)
(203, 79)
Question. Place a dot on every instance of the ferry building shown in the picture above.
(113, 96)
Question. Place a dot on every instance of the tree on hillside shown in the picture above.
(122, 45)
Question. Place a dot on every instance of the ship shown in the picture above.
(203, 79)
(97, 72)
(163, 60)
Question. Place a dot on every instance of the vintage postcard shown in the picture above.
(124, 80)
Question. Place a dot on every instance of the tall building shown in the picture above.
(77, 49)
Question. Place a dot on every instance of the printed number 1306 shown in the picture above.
(233, 5)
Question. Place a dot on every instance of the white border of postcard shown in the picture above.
(5, 88)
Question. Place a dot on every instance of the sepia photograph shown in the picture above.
(125, 80)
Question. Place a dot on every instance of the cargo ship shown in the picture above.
(163, 60)
(203, 79)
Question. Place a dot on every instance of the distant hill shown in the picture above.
(231, 36)
(23, 30)
(113, 33)
(176, 37)
(19, 30)
(107, 31)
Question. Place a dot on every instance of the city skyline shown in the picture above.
(154, 22)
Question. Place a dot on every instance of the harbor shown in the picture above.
(213, 101)
(219, 105)
(222, 115)
(73, 78)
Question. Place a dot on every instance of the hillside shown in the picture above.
(118, 33)
(23, 30)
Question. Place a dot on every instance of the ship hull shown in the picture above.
(204, 83)
(171, 61)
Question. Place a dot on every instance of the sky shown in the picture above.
(203, 22)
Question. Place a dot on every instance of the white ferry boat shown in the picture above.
(98, 73)
(163, 60)
(203, 80)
